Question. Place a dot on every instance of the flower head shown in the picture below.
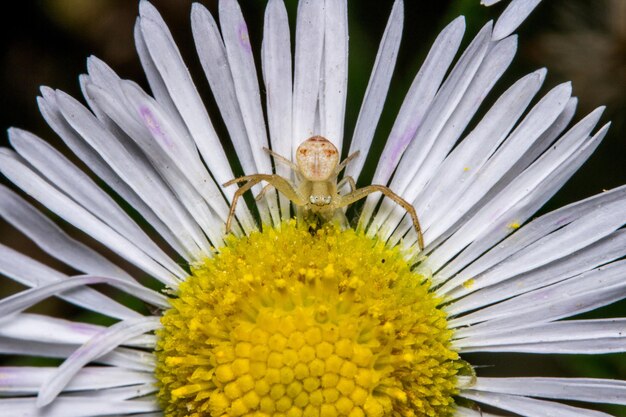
(333, 323)
(303, 310)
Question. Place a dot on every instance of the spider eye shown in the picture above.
(327, 199)
(313, 199)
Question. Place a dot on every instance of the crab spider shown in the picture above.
(317, 167)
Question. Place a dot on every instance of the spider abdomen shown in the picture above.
(317, 158)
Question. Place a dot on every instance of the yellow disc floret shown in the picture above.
(291, 323)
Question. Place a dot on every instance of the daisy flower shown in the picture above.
(290, 314)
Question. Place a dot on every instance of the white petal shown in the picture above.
(451, 178)
(77, 407)
(415, 105)
(157, 85)
(239, 53)
(52, 239)
(183, 92)
(141, 392)
(595, 346)
(307, 69)
(585, 292)
(47, 329)
(529, 131)
(28, 380)
(27, 271)
(276, 60)
(604, 251)
(59, 171)
(22, 300)
(577, 389)
(563, 242)
(177, 160)
(49, 109)
(132, 166)
(127, 159)
(172, 140)
(491, 69)
(468, 412)
(45, 193)
(529, 406)
(85, 80)
(121, 357)
(546, 139)
(334, 71)
(534, 124)
(212, 54)
(420, 96)
(439, 112)
(515, 13)
(242, 68)
(377, 89)
(538, 228)
(539, 182)
(446, 200)
(97, 346)
(444, 104)
(563, 337)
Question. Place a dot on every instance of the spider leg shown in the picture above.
(345, 162)
(233, 205)
(360, 193)
(263, 191)
(279, 157)
(237, 180)
(281, 184)
(349, 180)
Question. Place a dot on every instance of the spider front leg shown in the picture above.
(279, 157)
(360, 193)
(347, 180)
(281, 184)
(264, 191)
(345, 162)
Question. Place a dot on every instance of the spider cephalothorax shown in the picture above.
(317, 167)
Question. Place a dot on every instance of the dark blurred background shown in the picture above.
(46, 42)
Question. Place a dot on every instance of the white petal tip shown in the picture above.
(196, 7)
(17, 135)
(486, 29)
(12, 133)
(44, 398)
(93, 59)
(564, 88)
(46, 91)
(599, 110)
(514, 15)
(398, 7)
(458, 24)
(145, 8)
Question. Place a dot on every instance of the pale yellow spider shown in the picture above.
(317, 167)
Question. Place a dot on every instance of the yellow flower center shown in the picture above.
(293, 323)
